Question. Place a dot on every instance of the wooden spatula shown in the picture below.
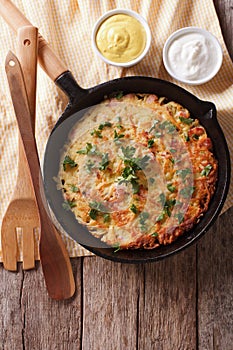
(22, 214)
(53, 254)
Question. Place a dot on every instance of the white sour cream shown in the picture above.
(192, 56)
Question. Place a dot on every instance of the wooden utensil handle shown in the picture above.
(54, 256)
(51, 64)
(27, 53)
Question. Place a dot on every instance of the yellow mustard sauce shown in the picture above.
(121, 38)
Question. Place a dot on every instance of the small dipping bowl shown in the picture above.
(120, 37)
(192, 55)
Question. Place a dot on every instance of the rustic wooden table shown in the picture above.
(184, 302)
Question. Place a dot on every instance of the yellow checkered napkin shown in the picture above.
(67, 25)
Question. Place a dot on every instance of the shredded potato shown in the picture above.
(138, 171)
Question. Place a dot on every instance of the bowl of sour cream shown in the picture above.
(192, 55)
(121, 37)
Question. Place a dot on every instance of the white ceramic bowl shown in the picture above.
(132, 14)
(213, 64)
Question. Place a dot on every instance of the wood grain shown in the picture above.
(111, 301)
(167, 315)
(54, 257)
(224, 9)
(215, 282)
(184, 302)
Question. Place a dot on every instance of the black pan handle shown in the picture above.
(68, 84)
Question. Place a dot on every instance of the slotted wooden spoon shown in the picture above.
(53, 254)
(22, 213)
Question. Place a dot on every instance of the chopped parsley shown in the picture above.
(106, 217)
(171, 188)
(104, 162)
(116, 247)
(142, 220)
(96, 133)
(170, 128)
(96, 209)
(206, 170)
(117, 136)
(128, 151)
(74, 188)
(187, 192)
(186, 120)
(89, 165)
(68, 161)
(150, 143)
(67, 205)
(128, 175)
(180, 217)
(169, 204)
(105, 124)
(133, 208)
(154, 234)
(151, 180)
(119, 95)
(97, 205)
(133, 164)
(90, 149)
(183, 173)
(162, 198)
(157, 134)
(160, 217)
(155, 122)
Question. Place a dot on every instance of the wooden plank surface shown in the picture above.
(184, 302)
(215, 286)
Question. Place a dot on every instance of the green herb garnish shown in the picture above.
(74, 188)
(105, 124)
(187, 191)
(104, 162)
(93, 214)
(206, 170)
(119, 95)
(162, 198)
(116, 247)
(183, 173)
(160, 217)
(68, 161)
(106, 217)
(186, 120)
(96, 133)
(128, 151)
(154, 234)
(168, 206)
(142, 220)
(155, 122)
(170, 128)
(150, 143)
(117, 136)
(171, 188)
(97, 205)
(151, 180)
(90, 165)
(90, 149)
(133, 208)
(180, 217)
(67, 205)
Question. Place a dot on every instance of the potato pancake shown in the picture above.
(138, 171)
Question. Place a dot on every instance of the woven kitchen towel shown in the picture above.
(67, 25)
